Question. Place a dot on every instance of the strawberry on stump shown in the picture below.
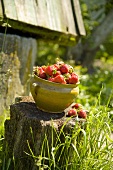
(82, 114)
(72, 112)
(77, 109)
(77, 106)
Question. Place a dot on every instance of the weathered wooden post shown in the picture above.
(16, 63)
(26, 22)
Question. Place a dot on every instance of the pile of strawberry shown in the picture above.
(77, 110)
(58, 73)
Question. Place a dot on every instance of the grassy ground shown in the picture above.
(95, 150)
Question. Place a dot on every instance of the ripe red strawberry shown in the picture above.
(77, 106)
(41, 73)
(57, 66)
(43, 67)
(59, 79)
(82, 114)
(73, 79)
(72, 112)
(49, 70)
(57, 73)
(64, 68)
(51, 79)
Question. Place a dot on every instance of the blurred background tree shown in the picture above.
(98, 17)
(98, 42)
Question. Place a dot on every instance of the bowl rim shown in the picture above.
(56, 84)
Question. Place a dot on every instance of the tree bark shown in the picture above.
(84, 52)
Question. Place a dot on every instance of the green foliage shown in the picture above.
(4, 163)
(48, 52)
(93, 13)
(92, 84)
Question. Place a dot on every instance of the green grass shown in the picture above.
(1, 139)
(89, 148)
(4, 163)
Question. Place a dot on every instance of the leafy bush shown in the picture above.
(48, 52)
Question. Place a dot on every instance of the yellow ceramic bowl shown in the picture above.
(52, 97)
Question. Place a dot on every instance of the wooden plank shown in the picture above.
(26, 11)
(54, 9)
(78, 15)
(41, 13)
(1, 10)
(49, 14)
(60, 18)
(68, 15)
(9, 9)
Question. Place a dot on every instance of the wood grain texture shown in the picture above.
(26, 11)
(68, 17)
(41, 13)
(78, 15)
(10, 9)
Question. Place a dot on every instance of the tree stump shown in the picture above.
(32, 136)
